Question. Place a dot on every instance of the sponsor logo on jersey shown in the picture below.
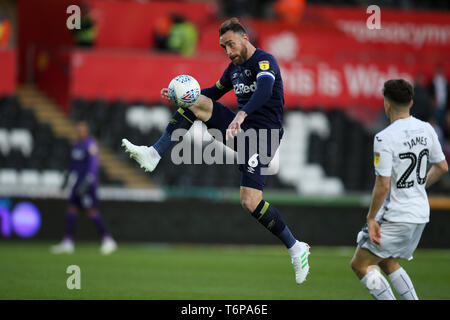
(264, 65)
(247, 72)
(240, 88)
(376, 158)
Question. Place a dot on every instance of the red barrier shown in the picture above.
(8, 71)
(130, 24)
(135, 75)
(140, 76)
(330, 59)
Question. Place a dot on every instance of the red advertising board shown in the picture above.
(7, 71)
(140, 76)
(331, 59)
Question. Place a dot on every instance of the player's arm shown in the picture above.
(436, 172)
(437, 158)
(222, 86)
(379, 194)
(216, 91)
(87, 180)
(264, 86)
(383, 169)
(67, 175)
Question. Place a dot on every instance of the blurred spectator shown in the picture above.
(183, 36)
(439, 93)
(161, 34)
(5, 31)
(290, 11)
(421, 108)
(85, 36)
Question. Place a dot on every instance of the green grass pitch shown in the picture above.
(145, 271)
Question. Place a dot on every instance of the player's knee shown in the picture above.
(355, 265)
(389, 266)
(248, 204)
(202, 108)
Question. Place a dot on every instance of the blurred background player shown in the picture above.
(255, 76)
(83, 195)
(399, 209)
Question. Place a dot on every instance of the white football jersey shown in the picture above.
(402, 152)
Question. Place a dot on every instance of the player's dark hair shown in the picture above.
(232, 24)
(399, 91)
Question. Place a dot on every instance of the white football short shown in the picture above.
(398, 239)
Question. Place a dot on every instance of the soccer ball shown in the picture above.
(184, 90)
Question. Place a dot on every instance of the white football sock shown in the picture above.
(403, 284)
(378, 286)
(295, 250)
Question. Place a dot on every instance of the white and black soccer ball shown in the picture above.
(184, 90)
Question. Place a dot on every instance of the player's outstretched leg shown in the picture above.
(269, 216)
(67, 245)
(149, 157)
(271, 219)
(399, 278)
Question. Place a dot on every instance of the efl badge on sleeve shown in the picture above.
(376, 158)
(264, 65)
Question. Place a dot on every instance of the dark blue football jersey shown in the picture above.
(242, 79)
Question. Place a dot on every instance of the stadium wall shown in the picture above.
(204, 221)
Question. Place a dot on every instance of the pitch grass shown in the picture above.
(148, 271)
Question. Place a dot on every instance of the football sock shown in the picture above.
(295, 250)
(403, 284)
(99, 224)
(377, 285)
(183, 118)
(71, 221)
(271, 219)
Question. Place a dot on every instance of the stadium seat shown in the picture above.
(79, 109)
(52, 178)
(22, 140)
(26, 120)
(15, 159)
(29, 178)
(4, 142)
(8, 177)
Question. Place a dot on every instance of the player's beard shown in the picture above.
(242, 56)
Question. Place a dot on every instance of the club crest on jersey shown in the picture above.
(376, 158)
(264, 65)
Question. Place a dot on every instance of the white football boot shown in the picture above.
(147, 157)
(300, 262)
(66, 246)
(108, 246)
